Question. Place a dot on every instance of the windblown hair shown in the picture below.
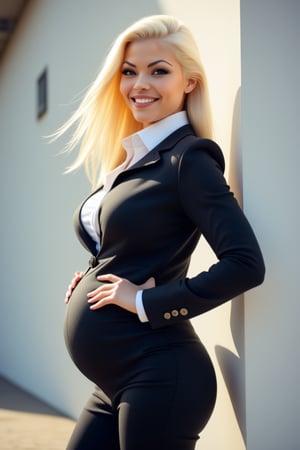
(103, 119)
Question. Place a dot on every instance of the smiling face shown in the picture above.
(153, 84)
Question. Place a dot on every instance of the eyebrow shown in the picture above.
(151, 64)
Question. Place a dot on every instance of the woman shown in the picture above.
(158, 185)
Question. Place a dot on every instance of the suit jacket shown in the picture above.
(151, 221)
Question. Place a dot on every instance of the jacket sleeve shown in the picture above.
(209, 204)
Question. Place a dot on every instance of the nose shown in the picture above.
(141, 81)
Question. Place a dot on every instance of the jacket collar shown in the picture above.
(154, 155)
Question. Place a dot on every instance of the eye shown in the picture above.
(160, 71)
(128, 72)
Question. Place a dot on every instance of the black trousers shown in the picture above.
(156, 388)
(165, 408)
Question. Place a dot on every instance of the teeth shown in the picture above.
(144, 100)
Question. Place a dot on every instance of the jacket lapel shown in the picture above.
(154, 155)
(149, 159)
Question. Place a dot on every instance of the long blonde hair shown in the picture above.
(103, 119)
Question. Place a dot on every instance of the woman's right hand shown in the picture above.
(72, 285)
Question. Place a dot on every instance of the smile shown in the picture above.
(144, 100)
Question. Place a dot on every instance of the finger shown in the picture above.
(96, 297)
(106, 290)
(109, 277)
(73, 285)
(76, 279)
(103, 289)
(100, 296)
(68, 293)
(67, 296)
(100, 304)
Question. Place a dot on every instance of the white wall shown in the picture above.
(39, 250)
(271, 162)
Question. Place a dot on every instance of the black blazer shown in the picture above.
(151, 221)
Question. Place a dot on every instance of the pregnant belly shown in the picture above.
(102, 342)
(109, 345)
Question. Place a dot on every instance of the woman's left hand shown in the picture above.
(117, 291)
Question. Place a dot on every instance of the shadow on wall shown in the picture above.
(232, 365)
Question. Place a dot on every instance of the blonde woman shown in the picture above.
(157, 177)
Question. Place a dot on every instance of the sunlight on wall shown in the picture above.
(216, 27)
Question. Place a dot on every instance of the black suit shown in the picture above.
(150, 222)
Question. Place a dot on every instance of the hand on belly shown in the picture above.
(117, 291)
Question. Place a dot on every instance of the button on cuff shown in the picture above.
(184, 311)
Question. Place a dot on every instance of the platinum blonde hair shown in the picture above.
(103, 119)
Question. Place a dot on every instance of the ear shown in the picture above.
(190, 86)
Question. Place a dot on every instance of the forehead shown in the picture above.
(149, 49)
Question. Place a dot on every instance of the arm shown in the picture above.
(209, 204)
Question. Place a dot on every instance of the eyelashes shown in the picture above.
(128, 72)
(159, 71)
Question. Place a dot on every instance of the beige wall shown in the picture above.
(216, 26)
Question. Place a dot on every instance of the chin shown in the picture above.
(145, 121)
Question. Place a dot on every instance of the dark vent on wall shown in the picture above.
(42, 94)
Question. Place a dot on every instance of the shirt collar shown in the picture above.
(157, 132)
(150, 137)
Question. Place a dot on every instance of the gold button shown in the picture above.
(175, 313)
(167, 316)
(184, 312)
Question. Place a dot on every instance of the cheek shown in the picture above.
(124, 88)
(174, 90)
(175, 97)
